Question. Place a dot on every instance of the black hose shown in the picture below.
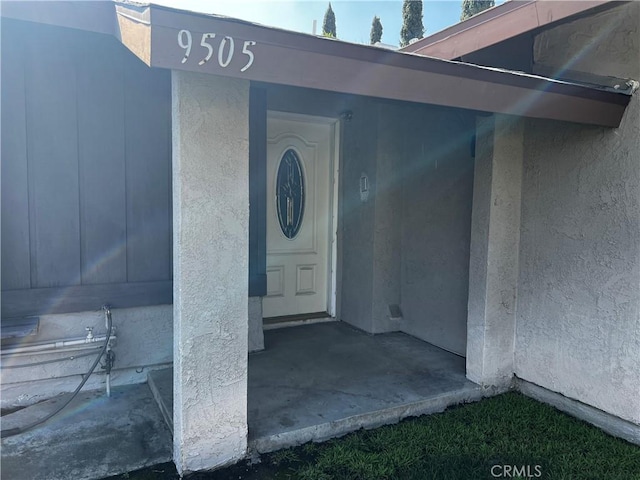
(10, 432)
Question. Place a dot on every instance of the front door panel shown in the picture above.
(299, 181)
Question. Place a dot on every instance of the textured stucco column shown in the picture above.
(495, 239)
(210, 269)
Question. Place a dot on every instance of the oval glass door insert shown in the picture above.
(290, 194)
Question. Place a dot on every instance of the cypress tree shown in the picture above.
(471, 7)
(376, 30)
(329, 23)
(411, 21)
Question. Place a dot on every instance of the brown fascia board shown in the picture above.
(94, 16)
(290, 58)
(302, 60)
(498, 24)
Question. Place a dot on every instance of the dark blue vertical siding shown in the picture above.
(86, 173)
(147, 118)
(101, 138)
(52, 158)
(16, 267)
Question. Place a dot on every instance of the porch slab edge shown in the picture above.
(369, 420)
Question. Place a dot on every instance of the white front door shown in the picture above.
(300, 181)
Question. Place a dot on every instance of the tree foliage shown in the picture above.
(376, 30)
(329, 23)
(471, 7)
(412, 26)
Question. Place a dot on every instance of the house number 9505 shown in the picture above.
(226, 49)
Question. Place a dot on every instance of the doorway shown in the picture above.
(301, 215)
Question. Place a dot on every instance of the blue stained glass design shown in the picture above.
(290, 194)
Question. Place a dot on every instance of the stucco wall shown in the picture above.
(386, 192)
(578, 323)
(578, 320)
(606, 44)
(437, 176)
(408, 243)
(358, 157)
(144, 340)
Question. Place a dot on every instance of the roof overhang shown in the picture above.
(94, 16)
(500, 23)
(155, 34)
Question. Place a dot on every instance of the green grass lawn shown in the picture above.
(484, 440)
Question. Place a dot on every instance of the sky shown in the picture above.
(353, 17)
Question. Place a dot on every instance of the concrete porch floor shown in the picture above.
(319, 381)
(312, 382)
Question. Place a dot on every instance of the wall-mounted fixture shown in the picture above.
(364, 187)
(346, 115)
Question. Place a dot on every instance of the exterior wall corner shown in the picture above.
(495, 239)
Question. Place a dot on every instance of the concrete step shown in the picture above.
(94, 437)
(161, 385)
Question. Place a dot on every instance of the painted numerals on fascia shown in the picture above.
(212, 47)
